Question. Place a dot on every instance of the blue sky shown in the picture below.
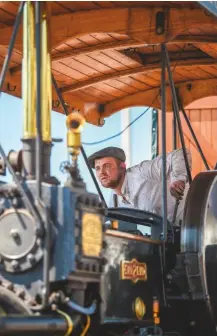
(11, 118)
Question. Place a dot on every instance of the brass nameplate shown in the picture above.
(133, 270)
(91, 235)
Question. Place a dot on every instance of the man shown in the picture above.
(141, 186)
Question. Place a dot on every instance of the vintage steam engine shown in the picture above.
(59, 270)
(62, 270)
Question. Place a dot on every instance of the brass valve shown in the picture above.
(74, 122)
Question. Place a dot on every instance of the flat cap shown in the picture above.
(114, 152)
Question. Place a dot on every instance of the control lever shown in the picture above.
(175, 211)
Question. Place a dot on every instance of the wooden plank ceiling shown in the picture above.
(106, 55)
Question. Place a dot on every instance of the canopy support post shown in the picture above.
(174, 131)
(176, 110)
(164, 164)
(163, 139)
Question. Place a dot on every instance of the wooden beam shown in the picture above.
(189, 92)
(195, 39)
(12, 86)
(179, 56)
(117, 45)
(209, 48)
(136, 23)
(153, 64)
(103, 78)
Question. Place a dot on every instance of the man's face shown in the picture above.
(108, 172)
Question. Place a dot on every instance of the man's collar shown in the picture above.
(124, 186)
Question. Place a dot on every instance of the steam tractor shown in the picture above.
(63, 270)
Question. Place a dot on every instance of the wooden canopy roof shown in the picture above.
(106, 55)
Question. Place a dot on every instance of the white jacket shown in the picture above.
(142, 187)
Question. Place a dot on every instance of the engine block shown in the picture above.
(76, 236)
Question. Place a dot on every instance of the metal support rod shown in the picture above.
(59, 94)
(93, 177)
(176, 111)
(38, 99)
(193, 134)
(11, 45)
(82, 148)
(174, 131)
(163, 140)
(39, 143)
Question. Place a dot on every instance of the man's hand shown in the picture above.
(177, 189)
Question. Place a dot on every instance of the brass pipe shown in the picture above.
(29, 74)
(46, 88)
(130, 236)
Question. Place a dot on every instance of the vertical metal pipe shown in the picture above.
(11, 45)
(193, 135)
(163, 140)
(47, 121)
(41, 97)
(174, 131)
(176, 110)
(38, 101)
(46, 86)
(164, 165)
(29, 92)
(28, 72)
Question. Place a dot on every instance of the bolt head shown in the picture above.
(39, 242)
(14, 234)
(15, 264)
(31, 258)
(39, 232)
